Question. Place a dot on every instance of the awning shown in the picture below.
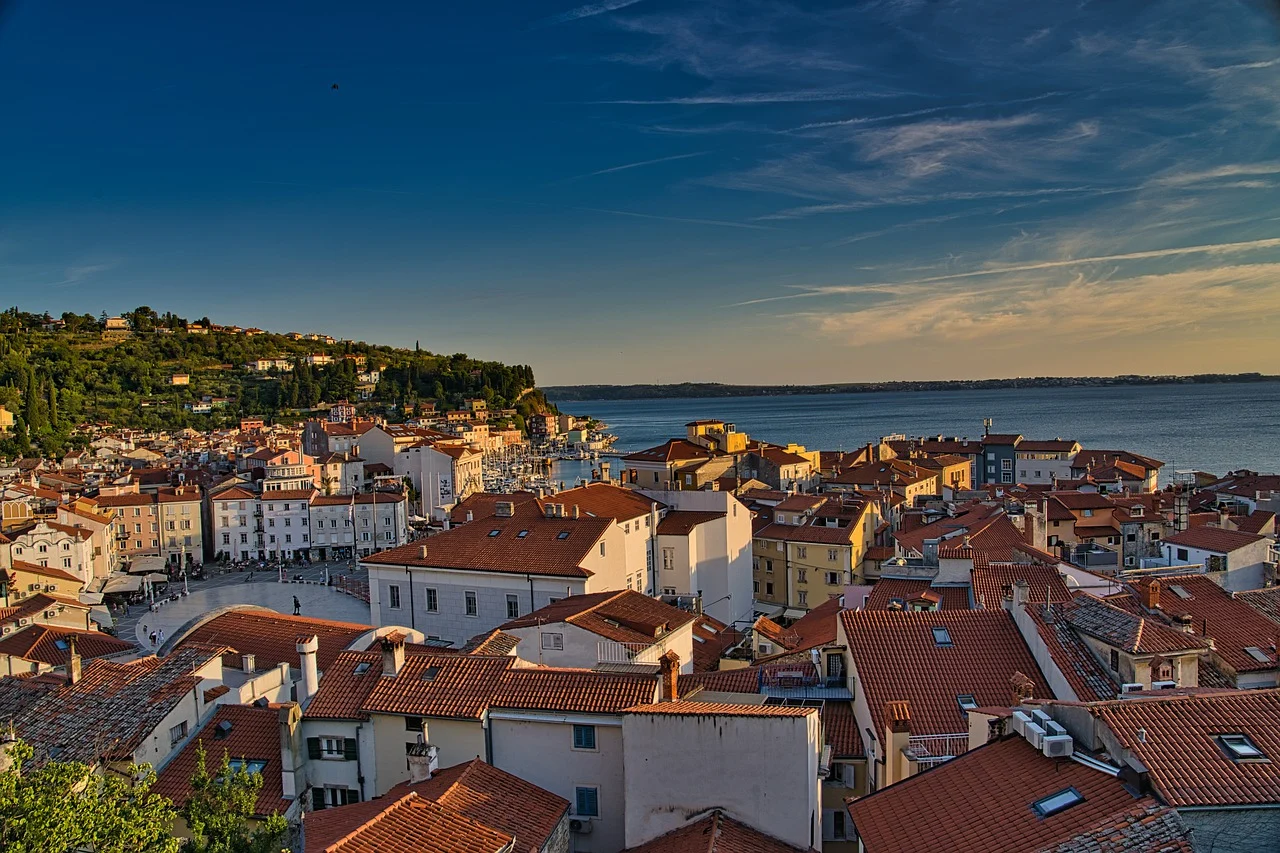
(102, 616)
(90, 598)
(146, 565)
(122, 583)
(156, 577)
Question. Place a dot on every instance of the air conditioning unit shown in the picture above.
(1041, 719)
(1057, 746)
(6, 630)
(1018, 722)
(580, 825)
(1131, 687)
(50, 587)
(49, 614)
(33, 587)
(1052, 729)
(1034, 734)
(1163, 685)
(24, 621)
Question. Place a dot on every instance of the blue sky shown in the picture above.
(652, 190)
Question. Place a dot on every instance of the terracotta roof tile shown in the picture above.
(1233, 624)
(1072, 655)
(981, 802)
(48, 644)
(991, 579)
(410, 824)
(476, 547)
(898, 656)
(1128, 631)
(577, 690)
(272, 637)
(682, 522)
(888, 589)
(604, 500)
(625, 617)
(1149, 828)
(254, 735)
(715, 833)
(841, 730)
(1186, 764)
(1213, 539)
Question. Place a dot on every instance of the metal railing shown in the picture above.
(611, 651)
(935, 749)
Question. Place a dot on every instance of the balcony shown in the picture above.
(629, 657)
(929, 750)
(802, 681)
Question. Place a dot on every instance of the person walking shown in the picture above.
(160, 637)
(153, 639)
(297, 606)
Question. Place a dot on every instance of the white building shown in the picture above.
(1236, 560)
(442, 473)
(367, 522)
(288, 523)
(55, 546)
(473, 578)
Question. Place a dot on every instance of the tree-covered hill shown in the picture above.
(58, 373)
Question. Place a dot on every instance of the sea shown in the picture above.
(1214, 428)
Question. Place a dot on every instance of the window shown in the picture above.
(1006, 464)
(802, 552)
(178, 732)
(413, 724)
(288, 538)
(768, 589)
(1115, 661)
(332, 747)
(472, 605)
(833, 578)
(584, 737)
(553, 642)
(671, 590)
(251, 765)
(801, 576)
(941, 636)
(838, 831)
(1054, 803)
(668, 559)
(432, 602)
(1241, 748)
(803, 598)
(66, 562)
(244, 538)
(832, 555)
(768, 566)
(967, 702)
(522, 534)
(494, 532)
(563, 534)
(1182, 554)
(601, 549)
(755, 587)
(393, 596)
(1131, 537)
(587, 802)
(513, 607)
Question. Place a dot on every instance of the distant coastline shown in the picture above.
(573, 393)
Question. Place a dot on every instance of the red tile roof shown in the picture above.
(475, 547)
(1213, 539)
(887, 589)
(409, 824)
(272, 637)
(673, 450)
(715, 833)
(484, 505)
(981, 802)
(496, 799)
(814, 629)
(1130, 632)
(40, 643)
(1233, 624)
(604, 500)
(626, 616)
(1265, 601)
(682, 522)
(897, 658)
(991, 579)
(1185, 763)
(711, 639)
(1072, 655)
(254, 735)
(576, 690)
(841, 730)
(45, 571)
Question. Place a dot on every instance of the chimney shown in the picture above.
(1021, 593)
(577, 512)
(247, 663)
(504, 509)
(470, 516)
(669, 669)
(1024, 689)
(424, 761)
(292, 780)
(393, 654)
(897, 740)
(307, 648)
(549, 510)
(422, 553)
(1186, 623)
(1151, 595)
(74, 666)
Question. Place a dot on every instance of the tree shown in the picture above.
(67, 806)
(220, 806)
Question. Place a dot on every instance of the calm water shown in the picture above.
(1207, 427)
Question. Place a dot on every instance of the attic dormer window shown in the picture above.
(1240, 748)
(967, 702)
(494, 532)
(522, 534)
(563, 534)
(942, 637)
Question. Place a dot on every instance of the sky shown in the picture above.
(663, 190)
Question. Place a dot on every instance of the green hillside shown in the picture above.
(56, 374)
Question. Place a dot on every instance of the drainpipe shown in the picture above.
(409, 575)
(529, 578)
(359, 770)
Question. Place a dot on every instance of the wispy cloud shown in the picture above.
(624, 167)
(80, 273)
(912, 200)
(753, 98)
(722, 223)
(590, 10)
(972, 105)
(1006, 269)
(1231, 170)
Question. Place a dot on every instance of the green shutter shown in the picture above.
(353, 795)
(317, 799)
(313, 748)
(349, 749)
